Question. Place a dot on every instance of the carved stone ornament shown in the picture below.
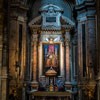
(89, 88)
(67, 42)
(34, 38)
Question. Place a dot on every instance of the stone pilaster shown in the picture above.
(13, 46)
(3, 51)
(17, 46)
(86, 17)
(98, 48)
(1, 43)
(91, 44)
(80, 69)
(4, 69)
(86, 32)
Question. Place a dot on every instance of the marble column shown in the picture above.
(4, 33)
(34, 58)
(61, 60)
(40, 59)
(67, 57)
(34, 82)
(67, 61)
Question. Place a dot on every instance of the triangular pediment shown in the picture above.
(36, 21)
(64, 21)
(51, 18)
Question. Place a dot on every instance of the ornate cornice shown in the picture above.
(56, 8)
(19, 4)
(86, 4)
(66, 23)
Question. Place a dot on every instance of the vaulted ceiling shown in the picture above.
(34, 6)
(31, 2)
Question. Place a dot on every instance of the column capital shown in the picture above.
(67, 30)
(34, 38)
(91, 17)
(67, 35)
(34, 30)
(67, 43)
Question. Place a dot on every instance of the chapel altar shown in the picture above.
(51, 53)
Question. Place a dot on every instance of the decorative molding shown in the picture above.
(70, 22)
(35, 20)
(21, 18)
(47, 7)
(85, 4)
(36, 23)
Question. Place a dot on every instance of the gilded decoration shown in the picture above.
(89, 87)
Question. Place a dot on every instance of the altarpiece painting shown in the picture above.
(51, 57)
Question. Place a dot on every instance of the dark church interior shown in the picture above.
(49, 50)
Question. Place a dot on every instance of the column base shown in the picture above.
(34, 85)
(68, 85)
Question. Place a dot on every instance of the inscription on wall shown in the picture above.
(50, 19)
